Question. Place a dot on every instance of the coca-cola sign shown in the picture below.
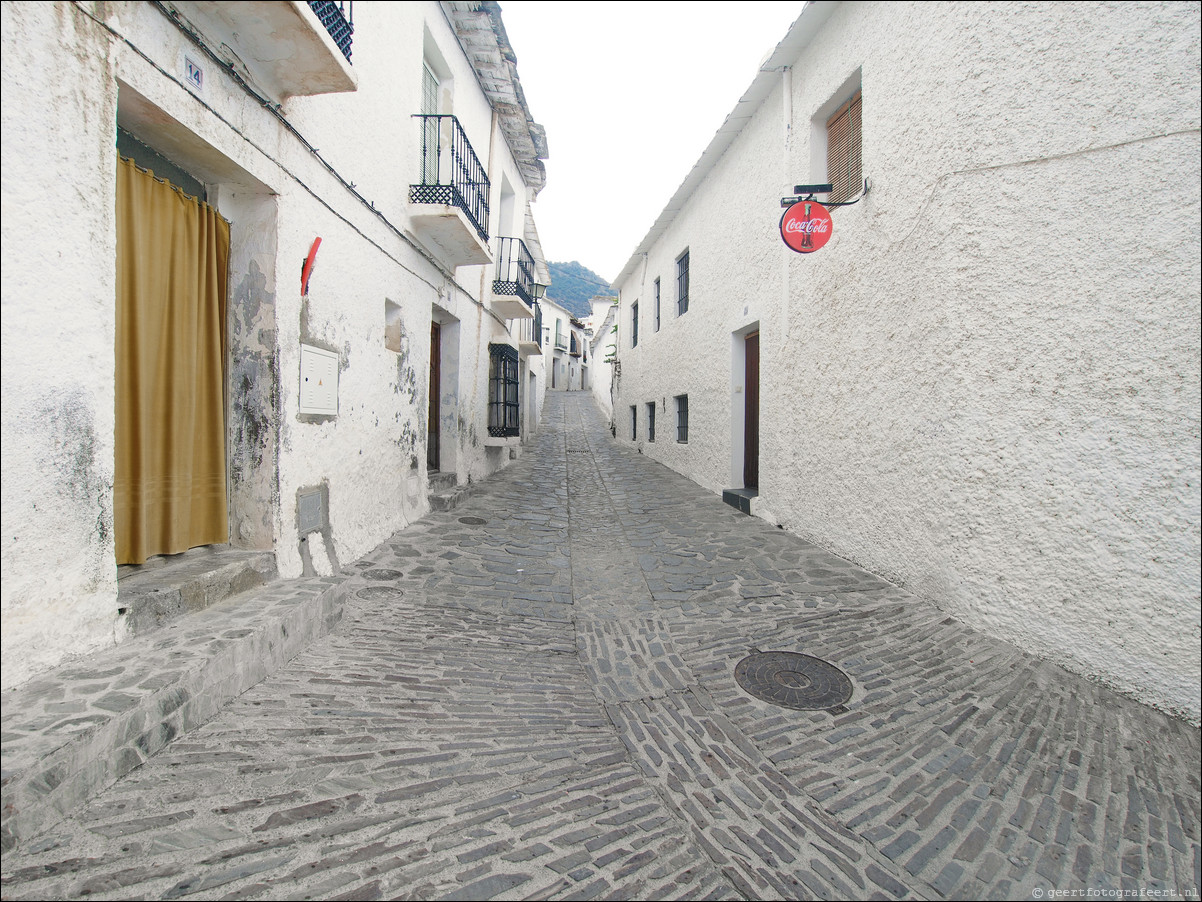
(806, 226)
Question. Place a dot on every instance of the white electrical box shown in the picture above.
(318, 381)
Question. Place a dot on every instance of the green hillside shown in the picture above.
(573, 285)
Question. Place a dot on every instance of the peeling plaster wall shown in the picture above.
(59, 286)
(986, 386)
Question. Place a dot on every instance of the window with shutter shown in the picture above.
(843, 151)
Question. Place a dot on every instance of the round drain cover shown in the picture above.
(793, 681)
(472, 521)
(375, 593)
(382, 575)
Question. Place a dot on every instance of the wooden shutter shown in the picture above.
(843, 151)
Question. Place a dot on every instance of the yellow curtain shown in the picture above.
(172, 273)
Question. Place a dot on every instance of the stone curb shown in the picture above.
(71, 733)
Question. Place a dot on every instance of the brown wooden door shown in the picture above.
(751, 420)
(432, 455)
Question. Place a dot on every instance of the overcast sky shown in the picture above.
(630, 95)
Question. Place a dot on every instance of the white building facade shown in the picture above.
(985, 387)
(378, 309)
(568, 359)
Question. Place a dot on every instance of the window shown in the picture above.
(843, 145)
(634, 422)
(634, 324)
(682, 418)
(657, 304)
(502, 391)
(682, 284)
(650, 421)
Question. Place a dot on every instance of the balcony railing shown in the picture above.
(529, 332)
(515, 270)
(451, 171)
(561, 343)
(339, 20)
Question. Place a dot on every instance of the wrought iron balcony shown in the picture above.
(513, 285)
(529, 333)
(561, 343)
(515, 270)
(451, 173)
(339, 20)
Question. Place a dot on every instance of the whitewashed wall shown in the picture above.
(986, 387)
(58, 297)
(58, 281)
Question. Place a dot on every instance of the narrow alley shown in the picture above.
(534, 697)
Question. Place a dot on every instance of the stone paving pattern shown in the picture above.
(544, 707)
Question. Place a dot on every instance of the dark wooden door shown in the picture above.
(751, 420)
(432, 455)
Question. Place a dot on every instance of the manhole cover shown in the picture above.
(382, 575)
(793, 681)
(472, 521)
(374, 593)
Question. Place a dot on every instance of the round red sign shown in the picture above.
(806, 226)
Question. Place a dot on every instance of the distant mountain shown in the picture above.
(573, 285)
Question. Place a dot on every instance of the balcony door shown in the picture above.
(430, 142)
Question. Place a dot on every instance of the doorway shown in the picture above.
(169, 491)
(751, 412)
(434, 420)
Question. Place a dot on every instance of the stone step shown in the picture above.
(740, 499)
(445, 494)
(164, 588)
(72, 732)
(441, 482)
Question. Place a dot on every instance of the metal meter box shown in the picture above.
(310, 511)
(318, 381)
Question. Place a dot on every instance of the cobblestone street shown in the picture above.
(534, 697)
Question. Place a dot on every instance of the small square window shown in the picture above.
(650, 421)
(682, 284)
(682, 419)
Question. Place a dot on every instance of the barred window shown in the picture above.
(502, 391)
(657, 304)
(843, 146)
(634, 422)
(634, 324)
(650, 421)
(682, 418)
(682, 284)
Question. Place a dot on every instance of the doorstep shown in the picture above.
(740, 498)
(72, 732)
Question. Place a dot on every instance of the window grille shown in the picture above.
(843, 146)
(650, 421)
(657, 304)
(634, 324)
(502, 391)
(634, 422)
(682, 284)
(682, 418)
